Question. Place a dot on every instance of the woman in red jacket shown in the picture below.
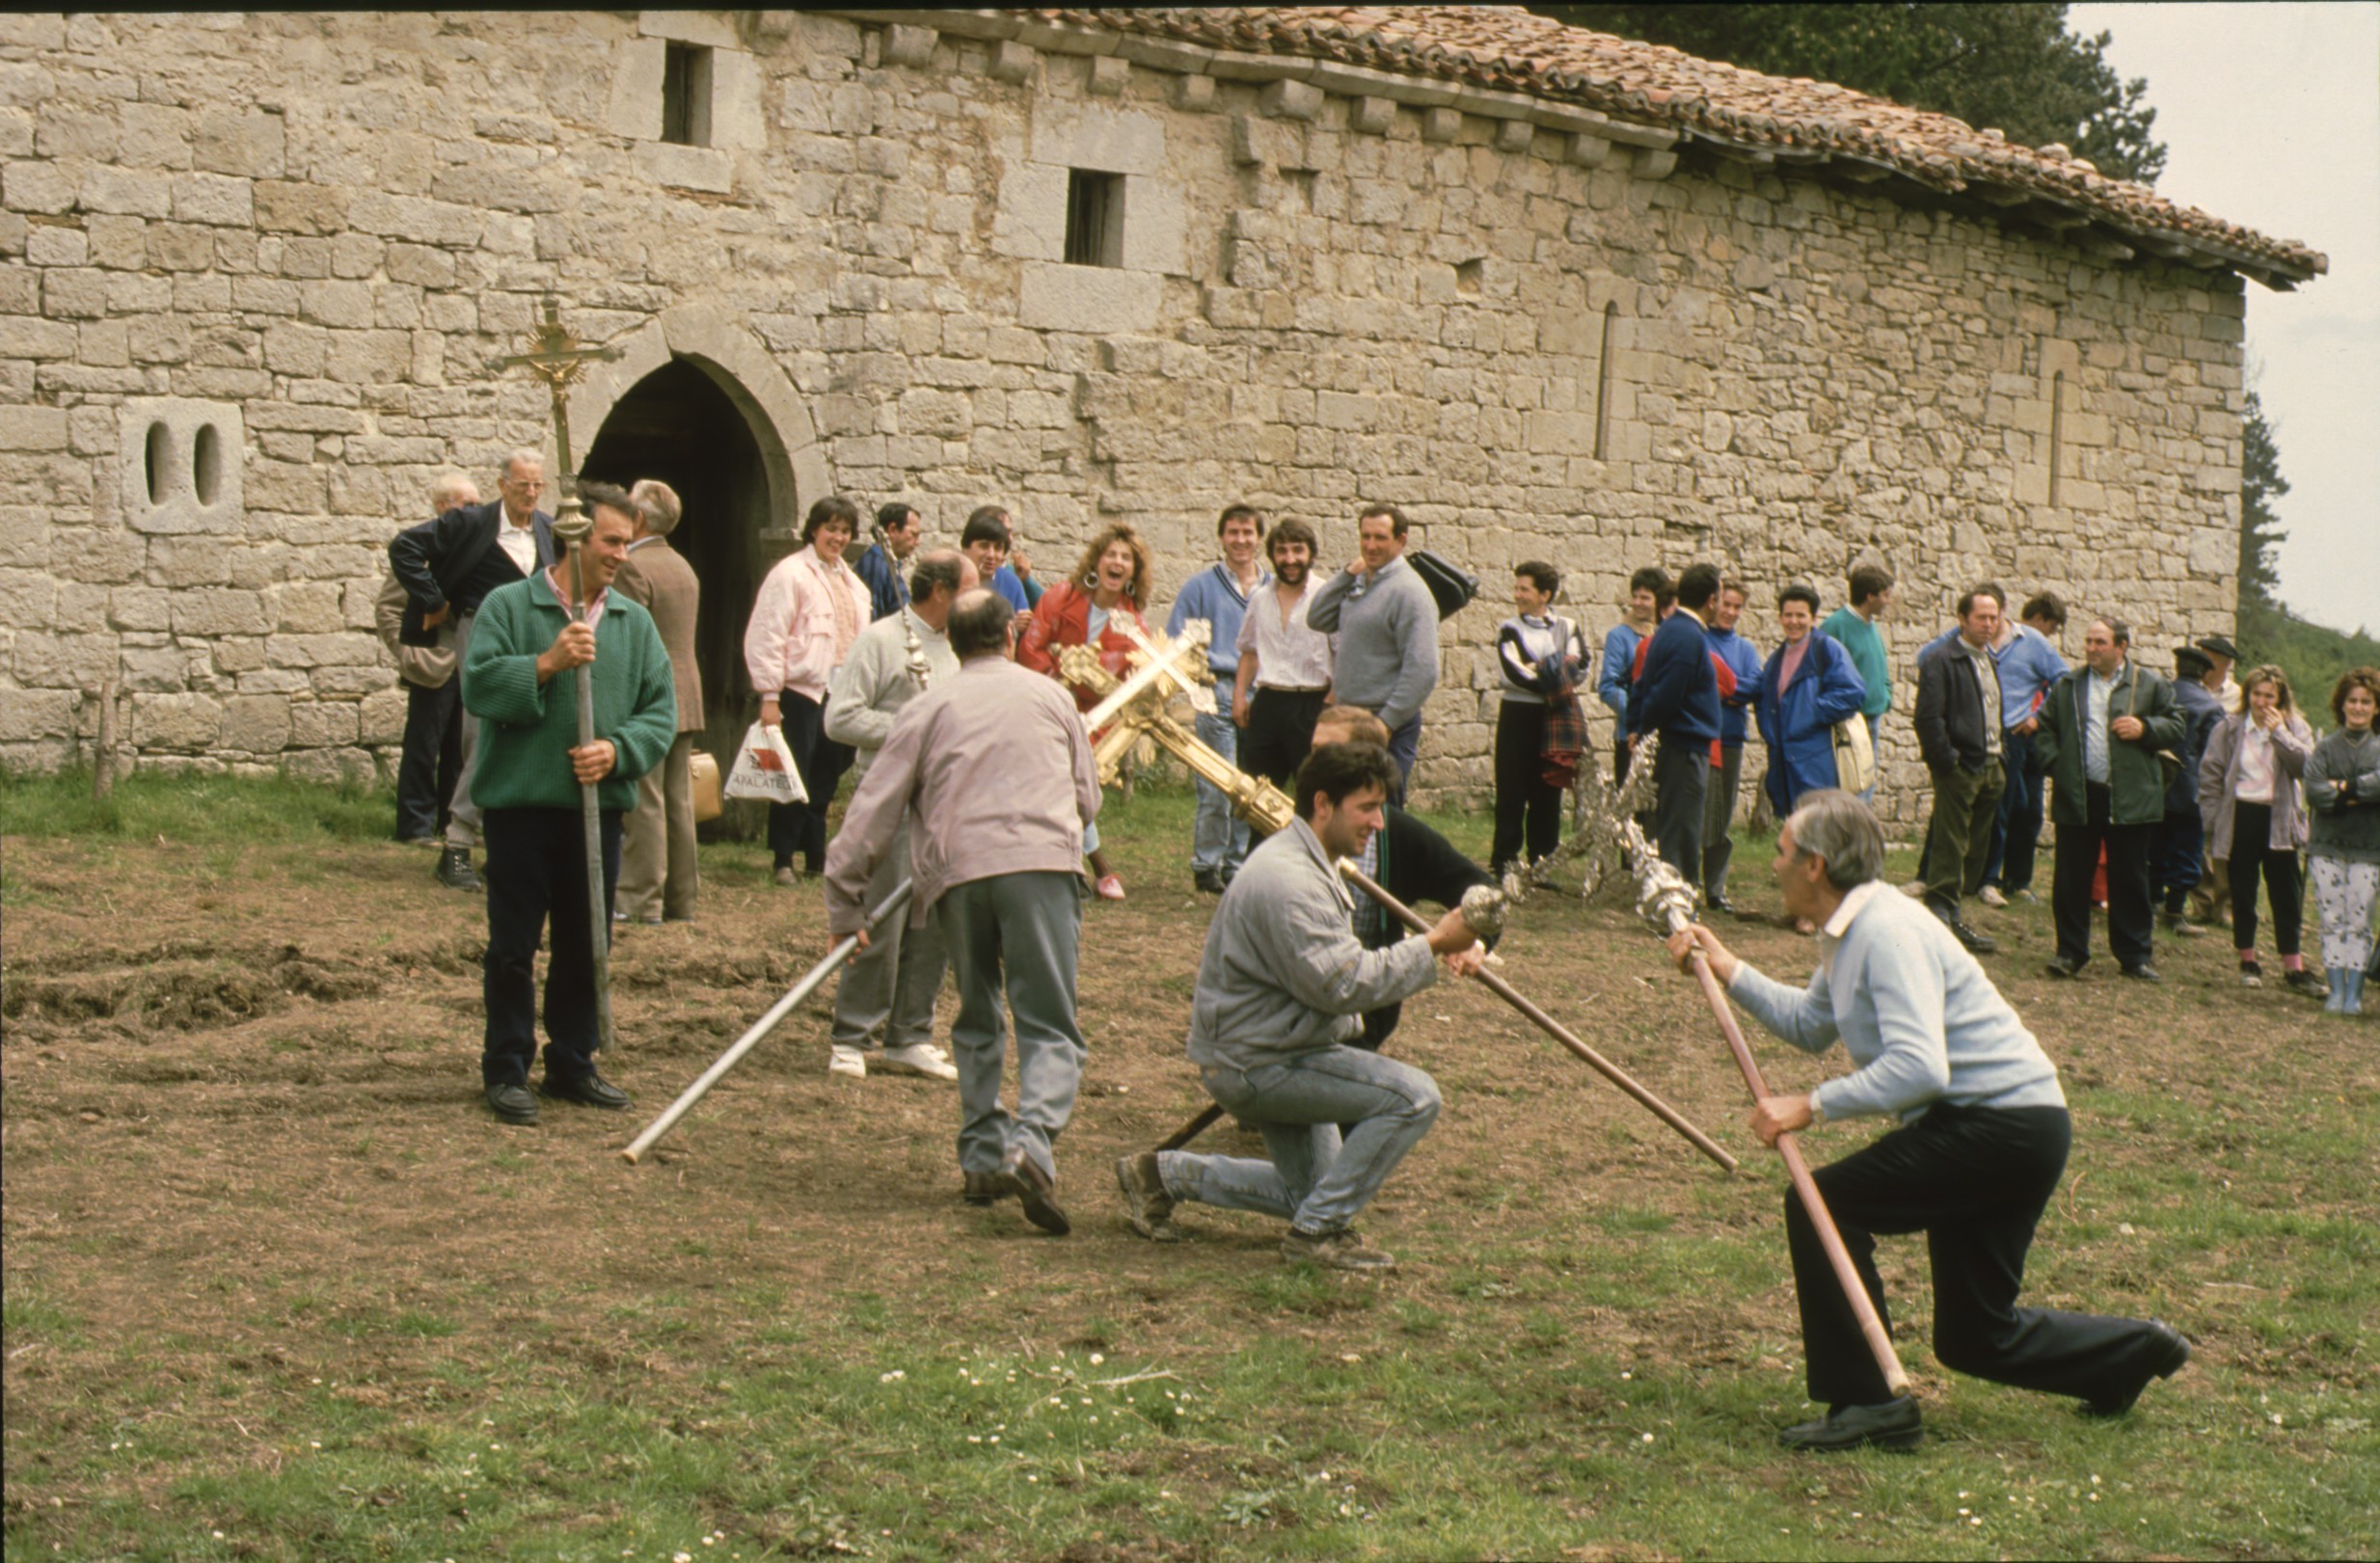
(1088, 608)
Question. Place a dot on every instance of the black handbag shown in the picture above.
(1451, 585)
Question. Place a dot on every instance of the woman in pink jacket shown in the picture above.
(811, 608)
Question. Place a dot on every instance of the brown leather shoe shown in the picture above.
(1023, 1178)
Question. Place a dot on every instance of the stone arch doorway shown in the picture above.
(696, 400)
(678, 425)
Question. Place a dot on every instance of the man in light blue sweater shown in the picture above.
(1981, 1141)
(1387, 624)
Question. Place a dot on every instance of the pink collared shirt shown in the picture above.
(595, 605)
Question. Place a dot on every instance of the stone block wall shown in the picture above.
(302, 238)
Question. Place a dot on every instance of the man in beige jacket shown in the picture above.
(433, 745)
(657, 874)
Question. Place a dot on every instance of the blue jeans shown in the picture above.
(1218, 837)
(1404, 747)
(2020, 834)
(1019, 933)
(1314, 1180)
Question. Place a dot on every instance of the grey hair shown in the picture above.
(451, 490)
(523, 457)
(1834, 825)
(659, 504)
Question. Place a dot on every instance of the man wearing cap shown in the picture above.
(2181, 838)
(2210, 903)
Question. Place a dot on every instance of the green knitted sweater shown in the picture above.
(527, 729)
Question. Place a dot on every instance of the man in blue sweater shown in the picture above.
(1981, 1144)
(1677, 696)
(1387, 624)
(1219, 594)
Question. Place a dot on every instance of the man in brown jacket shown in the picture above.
(657, 874)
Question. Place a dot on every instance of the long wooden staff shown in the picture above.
(571, 529)
(1665, 895)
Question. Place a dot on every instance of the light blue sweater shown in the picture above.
(1914, 1011)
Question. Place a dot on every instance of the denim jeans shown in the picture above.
(2022, 806)
(1314, 1180)
(1218, 837)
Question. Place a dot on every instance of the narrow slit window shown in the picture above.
(1094, 218)
(2056, 430)
(1603, 385)
(686, 94)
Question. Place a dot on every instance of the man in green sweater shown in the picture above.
(1853, 629)
(518, 681)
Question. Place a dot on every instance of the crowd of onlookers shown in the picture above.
(2176, 799)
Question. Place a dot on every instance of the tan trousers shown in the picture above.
(658, 871)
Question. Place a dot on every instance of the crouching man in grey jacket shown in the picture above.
(1280, 990)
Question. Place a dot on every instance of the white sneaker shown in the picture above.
(850, 1060)
(1991, 896)
(918, 1058)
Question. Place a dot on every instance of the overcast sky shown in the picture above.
(2270, 114)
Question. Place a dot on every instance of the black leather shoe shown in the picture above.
(1893, 1425)
(2171, 1355)
(454, 870)
(2306, 983)
(1719, 903)
(589, 1090)
(1208, 880)
(512, 1103)
(1022, 1177)
(1976, 944)
(2061, 966)
(2144, 973)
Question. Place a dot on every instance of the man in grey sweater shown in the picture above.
(1280, 989)
(884, 1019)
(1387, 624)
(1981, 1144)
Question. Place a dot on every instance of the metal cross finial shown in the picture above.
(549, 352)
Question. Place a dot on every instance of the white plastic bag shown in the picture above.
(765, 768)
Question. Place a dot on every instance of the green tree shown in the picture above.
(2013, 68)
(2260, 483)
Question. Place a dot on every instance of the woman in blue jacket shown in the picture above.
(1809, 684)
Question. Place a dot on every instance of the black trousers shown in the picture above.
(432, 754)
(1279, 733)
(1528, 808)
(536, 866)
(1681, 776)
(2285, 882)
(1974, 1180)
(2130, 914)
(819, 761)
(2177, 860)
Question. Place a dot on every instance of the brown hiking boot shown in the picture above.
(1340, 1250)
(1145, 1203)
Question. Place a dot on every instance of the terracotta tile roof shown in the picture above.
(1507, 49)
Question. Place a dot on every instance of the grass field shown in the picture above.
(278, 1287)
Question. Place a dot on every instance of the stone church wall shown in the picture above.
(253, 270)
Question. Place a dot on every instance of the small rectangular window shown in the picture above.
(686, 94)
(1094, 218)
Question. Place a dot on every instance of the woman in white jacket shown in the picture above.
(811, 608)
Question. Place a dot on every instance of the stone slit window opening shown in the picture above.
(2057, 429)
(1094, 218)
(1602, 383)
(686, 94)
(156, 458)
(1467, 276)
